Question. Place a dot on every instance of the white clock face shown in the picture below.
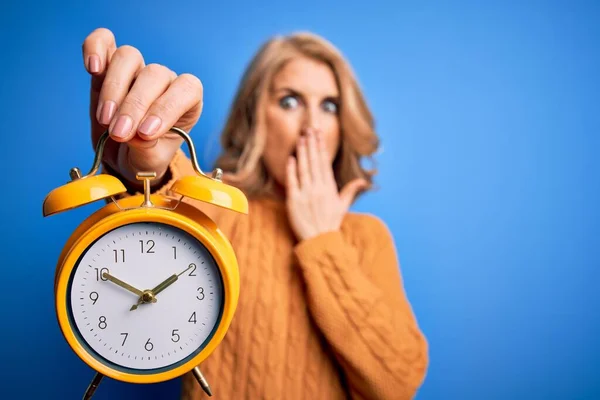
(139, 257)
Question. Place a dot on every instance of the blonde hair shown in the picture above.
(243, 137)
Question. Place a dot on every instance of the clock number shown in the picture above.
(101, 272)
(116, 252)
(148, 243)
(201, 290)
(94, 297)
(174, 253)
(125, 338)
(193, 317)
(148, 346)
(175, 334)
(102, 323)
(193, 266)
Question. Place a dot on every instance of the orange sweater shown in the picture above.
(326, 318)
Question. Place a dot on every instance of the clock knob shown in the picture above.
(75, 173)
(217, 174)
(146, 177)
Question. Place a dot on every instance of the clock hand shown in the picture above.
(185, 270)
(169, 281)
(146, 297)
(124, 285)
(150, 295)
(164, 284)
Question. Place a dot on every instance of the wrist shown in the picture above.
(316, 233)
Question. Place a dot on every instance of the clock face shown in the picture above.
(172, 279)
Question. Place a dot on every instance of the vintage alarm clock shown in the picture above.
(145, 287)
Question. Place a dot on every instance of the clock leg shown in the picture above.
(93, 386)
(202, 381)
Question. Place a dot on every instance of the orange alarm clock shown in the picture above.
(145, 287)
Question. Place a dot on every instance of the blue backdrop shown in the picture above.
(489, 177)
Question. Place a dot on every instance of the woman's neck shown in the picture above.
(278, 192)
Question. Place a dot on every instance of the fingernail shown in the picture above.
(94, 64)
(123, 126)
(107, 112)
(150, 126)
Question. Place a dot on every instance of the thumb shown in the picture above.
(349, 191)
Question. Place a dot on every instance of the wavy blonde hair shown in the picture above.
(243, 137)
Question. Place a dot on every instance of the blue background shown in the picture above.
(489, 116)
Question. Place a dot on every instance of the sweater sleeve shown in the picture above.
(356, 297)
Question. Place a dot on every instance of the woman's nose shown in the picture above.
(311, 122)
(309, 129)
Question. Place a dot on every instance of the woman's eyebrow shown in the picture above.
(295, 92)
(287, 89)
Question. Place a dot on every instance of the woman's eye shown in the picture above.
(330, 107)
(288, 102)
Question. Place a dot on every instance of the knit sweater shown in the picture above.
(324, 318)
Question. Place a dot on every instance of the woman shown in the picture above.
(322, 312)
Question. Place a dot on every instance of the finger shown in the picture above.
(152, 81)
(179, 106)
(313, 157)
(125, 65)
(324, 161)
(292, 177)
(97, 48)
(348, 192)
(303, 171)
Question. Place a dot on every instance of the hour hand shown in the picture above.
(124, 285)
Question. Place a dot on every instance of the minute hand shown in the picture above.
(168, 282)
(150, 295)
(164, 284)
